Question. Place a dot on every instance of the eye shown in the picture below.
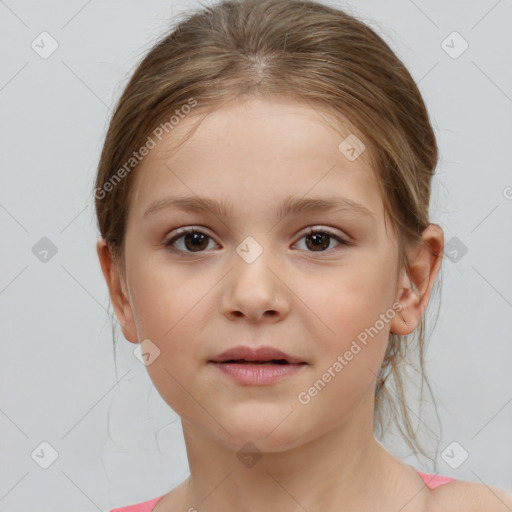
(319, 239)
(194, 240)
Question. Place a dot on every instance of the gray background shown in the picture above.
(117, 441)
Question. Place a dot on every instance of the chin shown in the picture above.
(271, 429)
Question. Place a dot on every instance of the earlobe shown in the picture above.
(116, 289)
(415, 288)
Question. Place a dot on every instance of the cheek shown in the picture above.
(164, 299)
(348, 363)
(356, 313)
(170, 315)
(351, 302)
(172, 310)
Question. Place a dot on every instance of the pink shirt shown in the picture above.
(147, 506)
(432, 481)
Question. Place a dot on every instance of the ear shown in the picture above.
(116, 287)
(414, 290)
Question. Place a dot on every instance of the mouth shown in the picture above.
(244, 361)
(263, 355)
(258, 373)
(261, 366)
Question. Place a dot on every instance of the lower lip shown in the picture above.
(258, 374)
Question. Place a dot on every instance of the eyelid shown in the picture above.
(176, 234)
(343, 240)
(324, 229)
(309, 230)
(179, 232)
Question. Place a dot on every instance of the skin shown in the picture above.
(309, 303)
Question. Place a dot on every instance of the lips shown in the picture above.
(259, 355)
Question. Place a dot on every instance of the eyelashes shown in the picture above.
(195, 238)
(187, 234)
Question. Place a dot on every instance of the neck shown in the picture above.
(331, 472)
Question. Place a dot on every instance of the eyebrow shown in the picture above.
(291, 205)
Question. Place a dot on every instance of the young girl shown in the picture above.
(263, 197)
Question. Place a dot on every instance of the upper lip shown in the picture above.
(263, 353)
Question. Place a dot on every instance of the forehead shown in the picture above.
(257, 152)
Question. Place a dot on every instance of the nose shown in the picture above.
(255, 291)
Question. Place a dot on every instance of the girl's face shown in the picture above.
(253, 276)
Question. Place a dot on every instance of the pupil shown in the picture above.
(195, 237)
(318, 238)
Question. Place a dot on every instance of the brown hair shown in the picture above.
(299, 49)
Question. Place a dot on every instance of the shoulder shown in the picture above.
(471, 497)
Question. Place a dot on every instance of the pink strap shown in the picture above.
(433, 481)
(147, 506)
